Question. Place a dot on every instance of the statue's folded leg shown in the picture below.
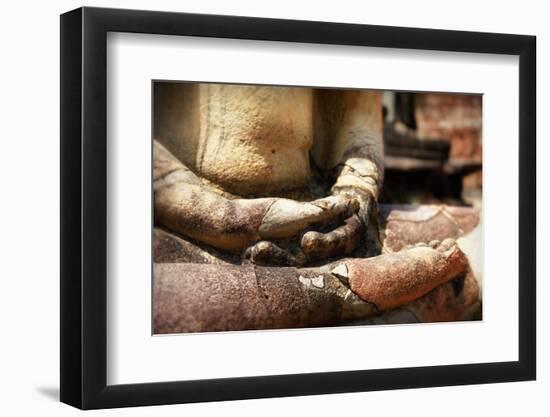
(195, 298)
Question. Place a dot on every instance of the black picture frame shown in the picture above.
(84, 207)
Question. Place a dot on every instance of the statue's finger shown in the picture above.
(286, 218)
(364, 199)
(365, 211)
(335, 206)
(340, 241)
(268, 253)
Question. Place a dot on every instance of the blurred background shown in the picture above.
(433, 148)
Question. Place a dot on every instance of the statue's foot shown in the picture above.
(393, 279)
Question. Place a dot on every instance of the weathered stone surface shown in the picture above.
(467, 218)
(400, 226)
(258, 140)
(393, 279)
(403, 225)
(200, 298)
(169, 248)
(218, 296)
(455, 300)
(218, 149)
(301, 298)
(205, 297)
(458, 299)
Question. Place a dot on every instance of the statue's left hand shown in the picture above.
(316, 245)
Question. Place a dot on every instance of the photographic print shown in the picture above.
(288, 203)
(279, 207)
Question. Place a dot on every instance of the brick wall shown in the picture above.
(456, 117)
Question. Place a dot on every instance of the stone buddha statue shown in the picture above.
(290, 176)
(278, 175)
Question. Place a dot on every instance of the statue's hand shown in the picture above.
(343, 239)
(287, 219)
(185, 205)
(365, 199)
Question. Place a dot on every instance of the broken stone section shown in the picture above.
(394, 279)
(427, 284)
(203, 298)
(403, 225)
(455, 300)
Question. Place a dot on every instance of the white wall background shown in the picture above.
(29, 178)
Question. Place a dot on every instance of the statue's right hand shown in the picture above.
(288, 218)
